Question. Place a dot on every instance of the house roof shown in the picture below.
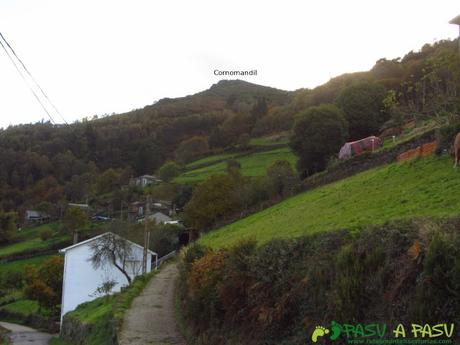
(456, 20)
(71, 204)
(99, 236)
(160, 217)
(151, 177)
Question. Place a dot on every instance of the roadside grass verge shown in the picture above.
(97, 322)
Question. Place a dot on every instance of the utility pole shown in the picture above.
(146, 235)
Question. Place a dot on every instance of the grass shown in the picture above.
(23, 246)
(105, 314)
(417, 188)
(91, 311)
(255, 164)
(279, 139)
(19, 265)
(210, 159)
(34, 232)
(24, 307)
(29, 239)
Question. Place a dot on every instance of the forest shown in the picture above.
(43, 166)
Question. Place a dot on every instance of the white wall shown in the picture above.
(81, 280)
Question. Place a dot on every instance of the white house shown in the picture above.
(144, 180)
(81, 279)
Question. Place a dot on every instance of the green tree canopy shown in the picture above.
(318, 133)
(169, 170)
(7, 226)
(74, 219)
(282, 178)
(211, 200)
(362, 103)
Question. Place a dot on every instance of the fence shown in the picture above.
(420, 151)
(165, 258)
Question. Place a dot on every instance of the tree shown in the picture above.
(362, 103)
(169, 170)
(282, 178)
(211, 200)
(244, 140)
(260, 109)
(44, 284)
(111, 249)
(192, 149)
(233, 166)
(7, 226)
(318, 133)
(108, 181)
(74, 220)
(165, 238)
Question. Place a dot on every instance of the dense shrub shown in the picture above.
(11, 279)
(46, 234)
(399, 272)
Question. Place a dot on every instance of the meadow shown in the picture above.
(417, 188)
(254, 164)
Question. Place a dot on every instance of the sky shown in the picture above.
(108, 56)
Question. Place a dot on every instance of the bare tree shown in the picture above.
(111, 249)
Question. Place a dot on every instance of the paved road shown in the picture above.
(151, 318)
(22, 335)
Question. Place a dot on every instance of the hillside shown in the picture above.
(423, 187)
(46, 163)
(252, 164)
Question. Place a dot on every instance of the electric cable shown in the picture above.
(25, 80)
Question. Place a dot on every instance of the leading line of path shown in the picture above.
(22, 335)
(151, 318)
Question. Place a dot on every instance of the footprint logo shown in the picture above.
(319, 331)
(336, 330)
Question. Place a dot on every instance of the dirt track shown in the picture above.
(151, 318)
(22, 335)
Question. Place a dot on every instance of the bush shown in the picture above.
(270, 294)
(46, 234)
(169, 170)
(446, 136)
(11, 280)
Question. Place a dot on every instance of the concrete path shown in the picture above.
(22, 335)
(151, 318)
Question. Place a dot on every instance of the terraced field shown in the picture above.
(254, 164)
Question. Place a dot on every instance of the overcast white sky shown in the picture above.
(97, 56)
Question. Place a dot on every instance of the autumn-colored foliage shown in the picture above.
(44, 284)
(276, 292)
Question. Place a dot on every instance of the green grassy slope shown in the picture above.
(255, 164)
(210, 159)
(423, 187)
(29, 239)
(19, 265)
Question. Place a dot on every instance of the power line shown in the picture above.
(25, 81)
(32, 78)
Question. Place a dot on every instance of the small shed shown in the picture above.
(355, 148)
(81, 279)
(32, 216)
